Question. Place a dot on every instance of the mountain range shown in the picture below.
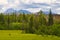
(11, 10)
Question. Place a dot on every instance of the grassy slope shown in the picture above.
(17, 35)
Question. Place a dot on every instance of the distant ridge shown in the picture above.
(24, 11)
(11, 10)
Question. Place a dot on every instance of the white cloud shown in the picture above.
(57, 1)
(44, 1)
(25, 1)
(41, 1)
(34, 9)
(38, 1)
(17, 4)
(3, 2)
(58, 9)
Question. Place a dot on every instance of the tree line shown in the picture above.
(30, 23)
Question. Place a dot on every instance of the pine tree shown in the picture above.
(23, 21)
(24, 18)
(8, 21)
(42, 19)
(50, 20)
(2, 21)
(36, 23)
(31, 25)
(15, 17)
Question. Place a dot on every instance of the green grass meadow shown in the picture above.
(18, 35)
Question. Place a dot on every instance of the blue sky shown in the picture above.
(31, 5)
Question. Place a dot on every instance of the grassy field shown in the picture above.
(17, 35)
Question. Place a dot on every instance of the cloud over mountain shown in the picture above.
(30, 5)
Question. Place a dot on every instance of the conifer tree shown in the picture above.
(2, 21)
(31, 25)
(50, 20)
(15, 17)
(8, 21)
(24, 18)
(42, 19)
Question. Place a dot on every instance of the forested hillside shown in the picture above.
(39, 23)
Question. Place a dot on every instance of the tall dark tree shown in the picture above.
(19, 18)
(8, 21)
(24, 18)
(36, 22)
(31, 25)
(2, 21)
(42, 19)
(50, 20)
(15, 17)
